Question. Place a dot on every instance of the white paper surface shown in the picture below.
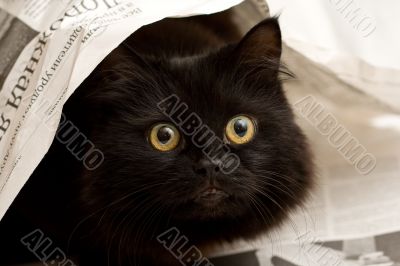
(358, 40)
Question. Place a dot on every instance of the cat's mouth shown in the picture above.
(210, 201)
(211, 195)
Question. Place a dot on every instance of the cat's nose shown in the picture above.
(205, 167)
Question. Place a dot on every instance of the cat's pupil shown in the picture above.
(240, 127)
(164, 134)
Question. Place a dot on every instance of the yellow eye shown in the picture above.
(240, 129)
(164, 137)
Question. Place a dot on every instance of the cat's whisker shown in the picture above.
(122, 225)
(259, 189)
(268, 234)
(304, 211)
(142, 230)
(122, 198)
(288, 192)
(290, 220)
(119, 227)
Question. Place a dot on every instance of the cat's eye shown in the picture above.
(240, 129)
(164, 137)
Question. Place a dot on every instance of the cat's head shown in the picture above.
(155, 172)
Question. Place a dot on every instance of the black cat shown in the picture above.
(154, 177)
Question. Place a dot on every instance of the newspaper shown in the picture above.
(352, 38)
(58, 43)
(347, 203)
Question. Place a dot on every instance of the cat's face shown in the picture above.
(152, 167)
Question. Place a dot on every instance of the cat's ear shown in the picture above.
(262, 42)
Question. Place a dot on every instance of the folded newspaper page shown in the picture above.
(355, 39)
